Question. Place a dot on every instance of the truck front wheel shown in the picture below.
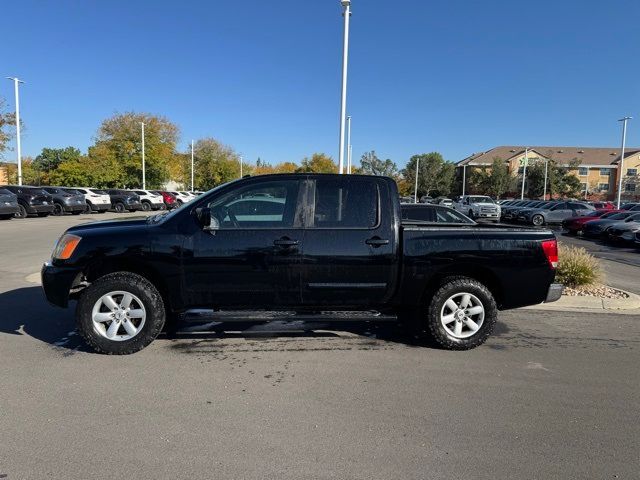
(461, 314)
(120, 313)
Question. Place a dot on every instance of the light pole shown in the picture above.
(524, 171)
(349, 144)
(346, 4)
(620, 168)
(144, 173)
(415, 191)
(16, 82)
(546, 165)
(464, 178)
(192, 187)
(240, 166)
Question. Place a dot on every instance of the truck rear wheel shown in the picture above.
(120, 313)
(462, 314)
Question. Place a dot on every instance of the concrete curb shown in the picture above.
(567, 303)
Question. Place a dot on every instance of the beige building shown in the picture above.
(597, 169)
(4, 175)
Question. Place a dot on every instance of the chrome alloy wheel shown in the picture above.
(462, 315)
(118, 316)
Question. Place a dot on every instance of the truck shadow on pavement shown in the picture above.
(25, 311)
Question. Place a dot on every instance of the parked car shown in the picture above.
(574, 225)
(430, 213)
(624, 230)
(150, 200)
(8, 204)
(512, 214)
(123, 200)
(95, 200)
(505, 209)
(337, 245)
(169, 199)
(31, 201)
(66, 200)
(555, 213)
(406, 199)
(603, 205)
(181, 197)
(633, 206)
(637, 240)
(478, 207)
(426, 199)
(444, 201)
(599, 227)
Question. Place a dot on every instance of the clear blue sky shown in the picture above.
(264, 76)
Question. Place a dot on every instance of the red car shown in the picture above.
(168, 198)
(604, 205)
(574, 225)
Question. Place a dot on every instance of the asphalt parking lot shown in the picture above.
(551, 395)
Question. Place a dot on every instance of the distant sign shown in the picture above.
(524, 161)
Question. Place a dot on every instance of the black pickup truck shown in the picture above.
(333, 246)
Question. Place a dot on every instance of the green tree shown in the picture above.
(80, 171)
(215, 163)
(560, 179)
(7, 124)
(435, 175)
(318, 163)
(494, 181)
(370, 164)
(51, 158)
(118, 147)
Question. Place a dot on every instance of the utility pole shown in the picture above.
(240, 166)
(524, 171)
(620, 167)
(346, 4)
(16, 82)
(349, 144)
(415, 192)
(192, 187)
(144, 173)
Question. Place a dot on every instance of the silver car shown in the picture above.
(556, 213)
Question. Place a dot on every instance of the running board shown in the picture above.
(201, 315)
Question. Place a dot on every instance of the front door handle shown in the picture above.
(285, 242)
(376, 241)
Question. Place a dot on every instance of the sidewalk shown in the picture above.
(566, 303)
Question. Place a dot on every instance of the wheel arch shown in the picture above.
(476, 272)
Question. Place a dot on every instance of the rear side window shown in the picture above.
(351, 203)
(422, 214)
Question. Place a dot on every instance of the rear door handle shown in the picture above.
(376, 241)
(285, 242)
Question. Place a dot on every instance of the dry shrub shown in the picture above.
(577, 267)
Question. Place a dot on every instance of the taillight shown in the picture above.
(550, 249)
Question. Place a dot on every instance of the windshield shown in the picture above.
(619, 216)
(480, 200)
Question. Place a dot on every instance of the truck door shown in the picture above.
(350, 244)
(253, 257)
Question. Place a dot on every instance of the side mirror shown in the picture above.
(207, 221)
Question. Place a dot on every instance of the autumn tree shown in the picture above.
(214, 163)
(318, 163)
(435, 175)
(7, 125)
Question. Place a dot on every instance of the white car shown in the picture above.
(182, 197)
(150, 200)
(478, 206)
(97, 200)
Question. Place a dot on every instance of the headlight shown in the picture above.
(66, 246)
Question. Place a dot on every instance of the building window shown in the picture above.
(583, 171)
(520, 170)
(630, 187)
(583, 186)
(632, 172)
(603, 187)
(605, 171)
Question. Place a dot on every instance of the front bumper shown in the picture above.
(100, 207)
(76, 207)
(8, 209)
(57, 283)
(554, 293)
(40, 208)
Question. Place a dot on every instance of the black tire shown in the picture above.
(433, 324)
(6, 217)
(21, 213)
(146, 206)
(179, 202)
(88, 208)
(471, 214)
(58, 210)
(44, 214)
(77, 212)
(119, 207)
(127, 282)
(102, 211)
(537, 220)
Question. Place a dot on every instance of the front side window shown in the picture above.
(265, 205)
(351, 203)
